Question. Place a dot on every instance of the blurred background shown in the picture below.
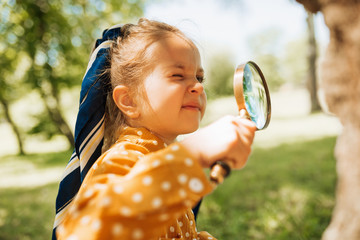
(286, 191)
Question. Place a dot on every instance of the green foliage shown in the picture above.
(280, 64)
(219, 76)
(266, 49)
(45, 44)
(294, 66)
(43, 126)
(286, 192)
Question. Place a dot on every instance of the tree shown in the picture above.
(312, 58)
(265, 48)
(340, 75)
(8, 90)
(56, 37)
(219, 77)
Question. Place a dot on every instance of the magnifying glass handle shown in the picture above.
(221, 169)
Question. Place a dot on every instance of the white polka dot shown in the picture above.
(75, 214)
(106, 201)
(140, 140)
(156, 202)
(182, 178)
(139, 133)
(125, 211)
(89, 193)
(116, 152)
(155, 142)
(137, 197)
(124, 153)
(188, 203)
(169, 156)
(191, 222)
(187, 234)
(196, 185)
(111, 176)
(188, 162)
(85, 220)
(96, 225)
(72, 237)
(175, 147)
(164, 217)
(140, 167)
(117, 229)
(137, 234)
(182, 193)
(166, 186)
(95, 166)
(100, 186)
(181, 223)
(147, 180)
(155, 163)
(73, 208)
(60, 229)
(172, 229)
(118, 189)
(210, 238)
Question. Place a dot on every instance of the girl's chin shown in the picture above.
(190, 129)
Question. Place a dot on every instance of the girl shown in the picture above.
(145, 183)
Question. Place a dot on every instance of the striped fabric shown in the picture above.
(89, 128)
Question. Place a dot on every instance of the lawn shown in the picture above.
(284, 192)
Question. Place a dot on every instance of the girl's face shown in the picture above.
(175, 95)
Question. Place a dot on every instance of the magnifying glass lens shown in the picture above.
(255, 96)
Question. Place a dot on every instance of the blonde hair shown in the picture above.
(130, 62)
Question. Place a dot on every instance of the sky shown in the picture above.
(215, 25)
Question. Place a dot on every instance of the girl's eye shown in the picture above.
(201, 79)
(178, 75)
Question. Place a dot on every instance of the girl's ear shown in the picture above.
(125, 102)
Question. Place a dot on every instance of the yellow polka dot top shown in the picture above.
(138, 189)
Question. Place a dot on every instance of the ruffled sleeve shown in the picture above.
(132, 194)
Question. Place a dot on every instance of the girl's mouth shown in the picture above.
(192, 106)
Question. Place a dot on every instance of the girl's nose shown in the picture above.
(197, 88)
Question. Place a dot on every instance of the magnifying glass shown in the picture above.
(253, 99)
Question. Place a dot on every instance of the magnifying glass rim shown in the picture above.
(239, 91)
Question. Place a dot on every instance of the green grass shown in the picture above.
(27, 214)
(39, 160)
(286, 192)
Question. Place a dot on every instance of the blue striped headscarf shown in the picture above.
(89, 128)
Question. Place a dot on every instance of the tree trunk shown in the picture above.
(312, 56)
(52, 107)
(340, 79)
(13, 125)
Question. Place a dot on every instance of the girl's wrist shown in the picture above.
(190, 146)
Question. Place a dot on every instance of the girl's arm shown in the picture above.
(128, 194)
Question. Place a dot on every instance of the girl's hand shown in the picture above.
(229, 139)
